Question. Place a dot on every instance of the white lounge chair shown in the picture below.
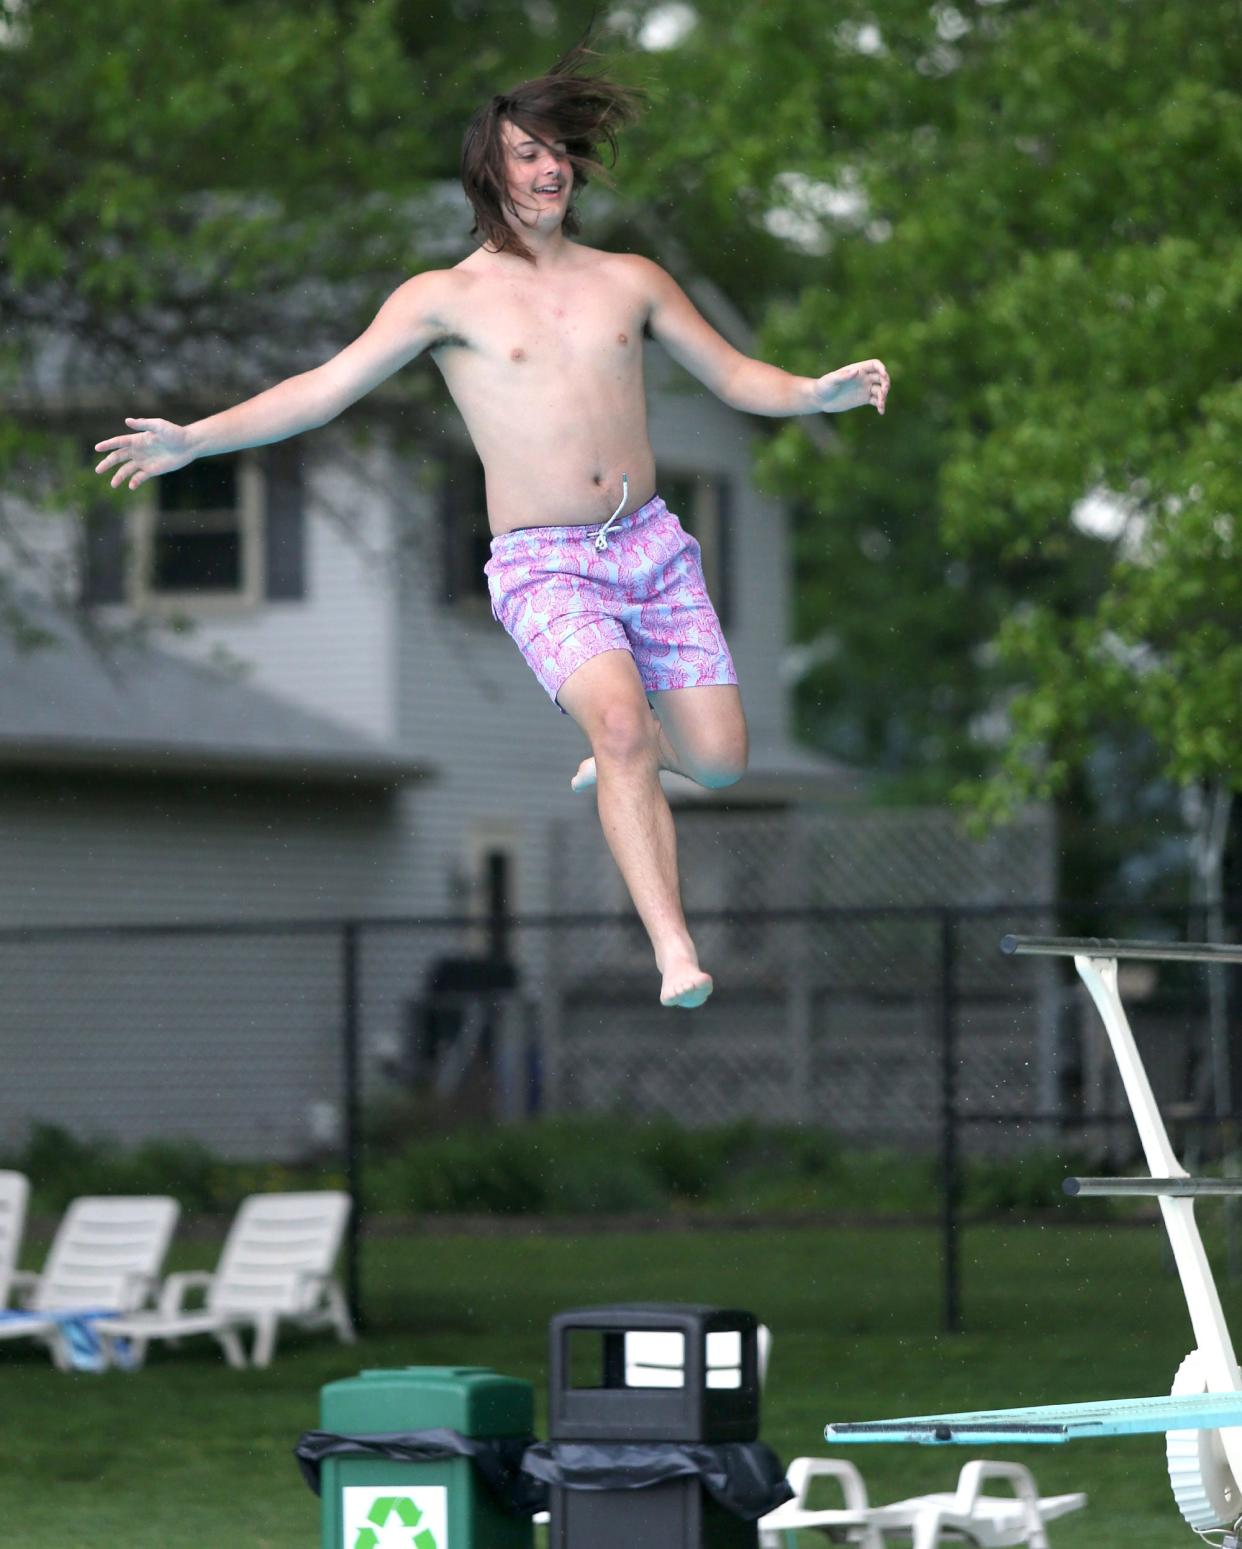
(965, 1515)
(990, 1521)
(847, 1524)
(276, 1266)
(14, 1192)
(105, 1257)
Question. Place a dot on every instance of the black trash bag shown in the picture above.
(497, 1458)
(745, 1477)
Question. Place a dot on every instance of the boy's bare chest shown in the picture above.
(519, 327)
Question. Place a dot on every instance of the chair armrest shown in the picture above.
(22, 1282)
(975, 1472)
(139, 1291)
(312, 1289)
(803, 1470)
(173, 1292)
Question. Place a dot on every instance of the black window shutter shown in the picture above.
(284, 521)
(104, 555)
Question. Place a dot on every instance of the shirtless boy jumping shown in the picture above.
(540, 341)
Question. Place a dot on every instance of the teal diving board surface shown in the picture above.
(1053, 1422)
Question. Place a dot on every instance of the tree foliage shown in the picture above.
(1044, 244)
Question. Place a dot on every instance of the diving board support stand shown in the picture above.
(1202, 1419)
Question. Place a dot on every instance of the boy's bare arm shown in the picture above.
(743, 383)
(403, 327)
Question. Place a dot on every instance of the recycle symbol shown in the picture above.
(407, 1514)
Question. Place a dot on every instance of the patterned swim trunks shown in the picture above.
(564, 600)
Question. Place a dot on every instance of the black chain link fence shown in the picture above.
(295, 1046)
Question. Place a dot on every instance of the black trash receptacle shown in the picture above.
(653, 1423)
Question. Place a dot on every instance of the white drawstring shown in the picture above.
(601, 537)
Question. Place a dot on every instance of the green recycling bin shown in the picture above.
(445, 1502)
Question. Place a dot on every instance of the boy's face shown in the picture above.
(540, 177)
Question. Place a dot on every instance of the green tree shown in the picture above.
(1031, 213)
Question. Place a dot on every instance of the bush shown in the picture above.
(594, 1166)
(607, 1166)
(523, 1170)
(1016, 1184)
(62, 1166)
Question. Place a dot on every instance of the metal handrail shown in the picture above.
(1160, 1188)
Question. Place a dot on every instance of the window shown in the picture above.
(700, 501)
(465, 534)
(200, 536)
(221, 533)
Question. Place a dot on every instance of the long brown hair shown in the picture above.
(582, 111)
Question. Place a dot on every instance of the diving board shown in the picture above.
(1052, 1423)
(1202, 1418)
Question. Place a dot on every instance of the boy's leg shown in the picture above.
(606, 698)
(705, 731)
(701, 733)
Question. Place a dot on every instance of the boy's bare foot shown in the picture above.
(585, 778)
(685, 984)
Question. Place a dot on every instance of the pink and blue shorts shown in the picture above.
(564, 599)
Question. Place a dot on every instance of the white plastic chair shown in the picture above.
(963, 1515)
(851, 1523)
(14, 1193)
(106, 1255)
(276, 1266)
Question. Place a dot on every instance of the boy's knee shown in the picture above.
(717, 768)
(717, 776)
(625, 732)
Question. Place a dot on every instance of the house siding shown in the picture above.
(330, 651)
(232, 1038)
(101, 850)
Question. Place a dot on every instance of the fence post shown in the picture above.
(949, 1167)
(353, 1114)
(552, 992)
(800, 998)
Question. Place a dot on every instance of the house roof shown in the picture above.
(80, 701)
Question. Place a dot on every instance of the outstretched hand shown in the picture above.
(853, 387)
(154, 447)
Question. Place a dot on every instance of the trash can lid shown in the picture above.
(473, 1400)
(657, 1315)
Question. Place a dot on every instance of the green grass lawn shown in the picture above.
(190, 1455)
